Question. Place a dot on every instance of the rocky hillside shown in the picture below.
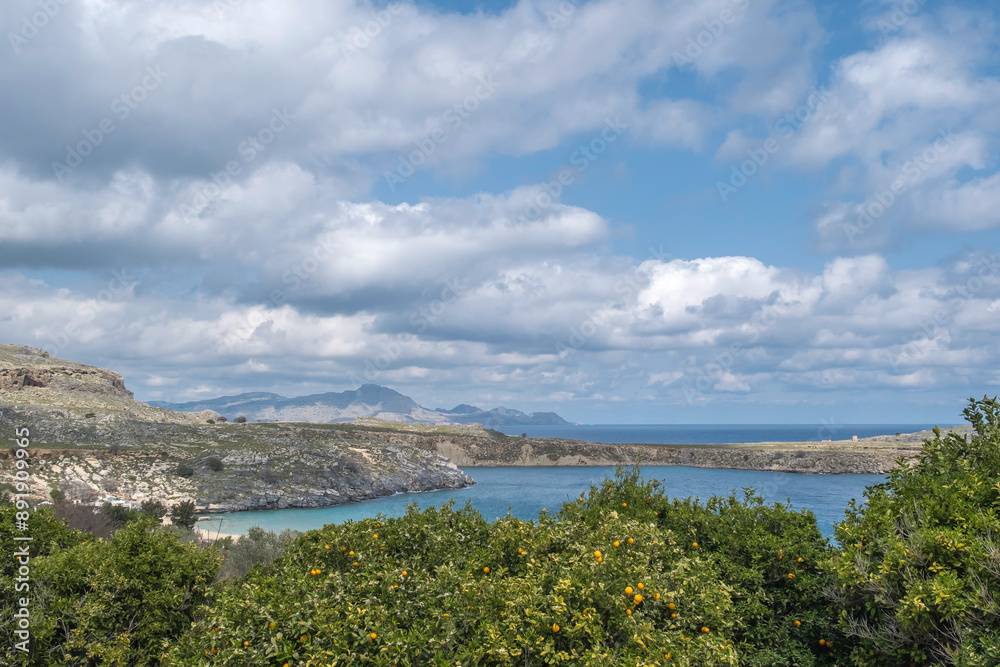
(47, 388)
(91, 439)
(368, 400)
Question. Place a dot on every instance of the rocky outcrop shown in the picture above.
(323, 476)
(252, 479)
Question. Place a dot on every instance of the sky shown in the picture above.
(623, 211)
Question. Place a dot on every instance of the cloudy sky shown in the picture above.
(621, 210)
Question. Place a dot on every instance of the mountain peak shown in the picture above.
(368, 400)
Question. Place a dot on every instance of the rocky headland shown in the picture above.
(866, 455)
(90, 439)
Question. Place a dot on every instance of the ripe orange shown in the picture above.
(694, 544)
(373, 636)
(555, 628)
(637, 599)
(616, 543)
(670, 606)
(486, 570)
(628, 611)
(705, 630)
(798, 624)
(628, 590)
(791, 576)
(631, 541)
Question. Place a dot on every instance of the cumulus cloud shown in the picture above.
(190, 185)
(909, 121)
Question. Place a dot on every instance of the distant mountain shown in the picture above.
(368, 400)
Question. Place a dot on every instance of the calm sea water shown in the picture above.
(525, 491)
(696, 434)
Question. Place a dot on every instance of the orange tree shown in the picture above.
(918, 578)
(612, 578)
(96, 602)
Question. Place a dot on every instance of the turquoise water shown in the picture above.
(526, 490)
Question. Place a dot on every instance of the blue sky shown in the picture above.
(769, 211)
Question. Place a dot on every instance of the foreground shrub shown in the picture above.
(621, 576)
(111, 603)
(919, 575)
(258, 546)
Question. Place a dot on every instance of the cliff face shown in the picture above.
(26, 368)
(38, 387)
(273, 476)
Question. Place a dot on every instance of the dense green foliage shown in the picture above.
(96, 602)
(258, 546)
(183, 515)
(621, 576)
(919, 575)
(444, 586)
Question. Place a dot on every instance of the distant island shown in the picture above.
(369, 400)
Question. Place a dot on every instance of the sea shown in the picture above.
(525, 491)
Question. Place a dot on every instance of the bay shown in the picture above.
(527, 490)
